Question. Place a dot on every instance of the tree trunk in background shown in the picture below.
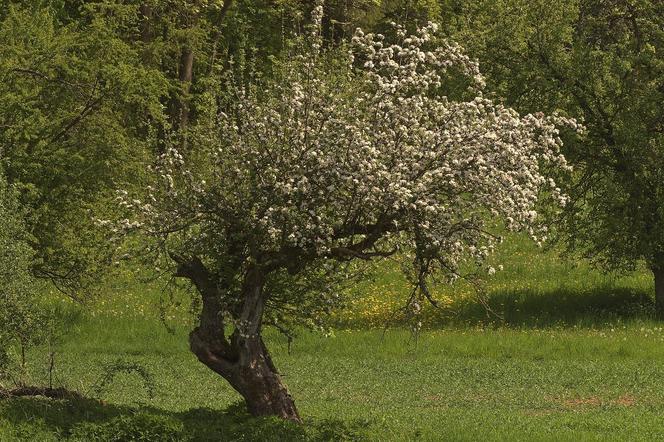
(178, 107)
(216, 40)
(186, 77)
(181, 104)
(658, 272)
(146, 26)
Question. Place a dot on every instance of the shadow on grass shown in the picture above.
(81, 419)
(531, 308)
(528, 308)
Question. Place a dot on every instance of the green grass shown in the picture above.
(571, 355)
(536, 289)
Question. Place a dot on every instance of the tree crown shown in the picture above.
(352, 154)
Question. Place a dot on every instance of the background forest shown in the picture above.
(446, 226)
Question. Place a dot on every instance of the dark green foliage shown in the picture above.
(603, 63)
(75, 121)
(138, 427)
(20, 321)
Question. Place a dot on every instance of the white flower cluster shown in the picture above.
(363, 155)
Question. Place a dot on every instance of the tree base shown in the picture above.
(252, 374)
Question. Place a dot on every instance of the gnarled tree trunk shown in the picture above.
(252, 374)
(242, 359)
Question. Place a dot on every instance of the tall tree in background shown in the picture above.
(193, 42)
(603, 62)
(175, 35)
(75, 109)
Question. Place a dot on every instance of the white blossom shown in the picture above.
(359, 158)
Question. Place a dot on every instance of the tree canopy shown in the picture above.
(73, 126)
(600, 62)
(343, 154)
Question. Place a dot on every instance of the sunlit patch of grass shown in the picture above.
(535, 288)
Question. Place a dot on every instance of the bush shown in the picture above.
(139, 427)
(15, 280)
(23, 322)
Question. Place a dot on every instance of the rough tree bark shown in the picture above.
(658, 273)
(146, 28)
(242, 359)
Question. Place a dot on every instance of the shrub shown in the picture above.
(138, 427)
(17, 314)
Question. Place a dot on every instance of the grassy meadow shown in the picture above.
(567, 353)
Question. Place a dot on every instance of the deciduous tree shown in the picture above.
(74, 113)
(601, 62)
(346, 155)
